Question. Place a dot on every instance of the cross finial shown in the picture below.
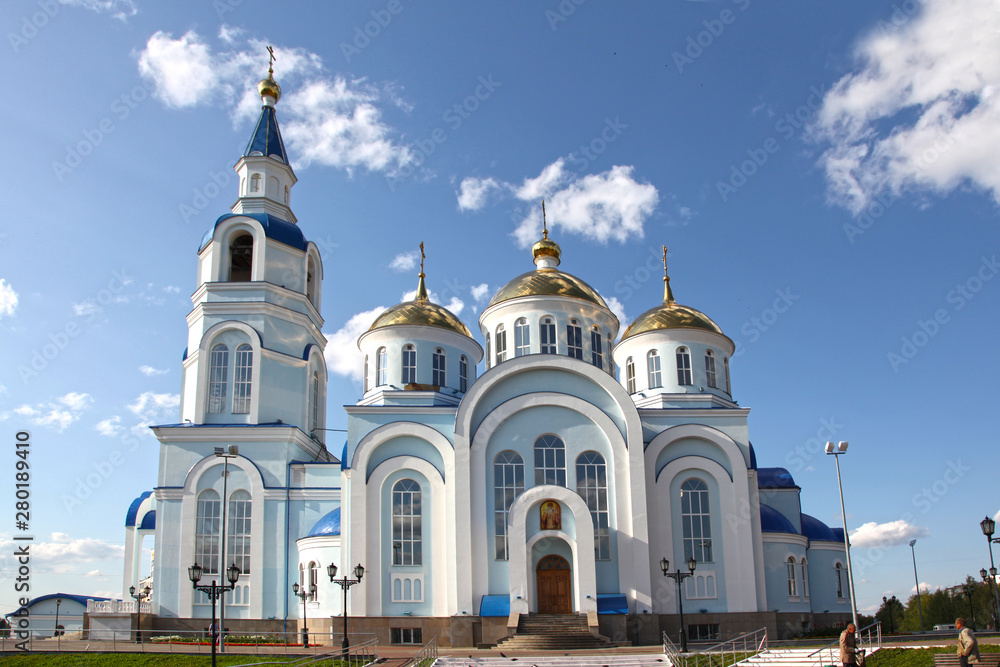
(668, 294)
(422, 256)
(271, 59)
(545, 229)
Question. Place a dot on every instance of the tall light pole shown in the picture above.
(916, 580)
(988, 525)
(304, 592)
(58, 602)
(138, 597)
(983, 573)
(678, 577)
(233, 452)
(214, 591)
(888, 602)
(835, 450)
(969, 588)
(345, 583)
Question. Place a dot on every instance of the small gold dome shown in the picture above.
(420, 312)
(671, 315)
(269, 88)
(546, 247)
(548, 282)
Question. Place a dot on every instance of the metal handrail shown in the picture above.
(672, 652)
(746, 645)
(358, 655)
(864, 639)
(427, 655)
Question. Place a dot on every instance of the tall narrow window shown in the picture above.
(683, 366)
(592, 485)
(653, 367)
(238, 530)
(286, 194)
(611, 359)
(243, 379)
(380, 370)
(409, 364)
(311, 282)
(574, 340)
(550, 461)
(630, 375)
(501, 344)
(255, 183)
(218, 378)
(241, 259)
(805, 578)
(365, 375)
(725, 365)
(206, 531)
(314, 417)
(313, 581)
(487, 359)
(696, 521)
(407, 532)
(438, 368)
(547, 335)
(508, 484)
(596, 348)
(463, 374)
(838, 570)
(522, 338)
(793, 590)
(710, 369)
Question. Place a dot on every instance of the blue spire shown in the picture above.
(266, 137)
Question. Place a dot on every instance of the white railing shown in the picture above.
(118, 607)
(729, 652)
(427, 655)
(672, 652)
(868, 638)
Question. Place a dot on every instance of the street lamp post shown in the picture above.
(984, 574)
(888, 602)
(56, 630)
(303, 593)
(345, 584)
(916, 580)
(988, 525)
(232, 453)
(835, 450)
(138, 597)
(214, 592)
(969, 588)
(678, 577)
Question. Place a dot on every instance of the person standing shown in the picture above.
(968, 646)
(848, 647)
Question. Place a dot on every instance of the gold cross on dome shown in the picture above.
(271, 59)
(422, 256)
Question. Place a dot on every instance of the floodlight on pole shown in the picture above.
(835, 450)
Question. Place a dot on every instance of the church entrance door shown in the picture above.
(554, 586)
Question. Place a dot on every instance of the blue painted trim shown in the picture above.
(274, 227)
(148, 521)
(133, 508)
(495, 606)
(614, 603)
(697, 456)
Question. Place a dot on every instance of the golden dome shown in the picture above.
(547, 282)
(671, 315)
(420, 313)
(269, 87)
(546, 247)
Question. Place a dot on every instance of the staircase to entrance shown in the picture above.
(553, 632)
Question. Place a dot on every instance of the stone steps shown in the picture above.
(553, 632)
(576, 660)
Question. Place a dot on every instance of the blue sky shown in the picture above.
(824, 174)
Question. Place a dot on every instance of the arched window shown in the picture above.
(596, 348)
(487, 358)
(838, 570)
(592, 485)
(241, 259)
(696, 521)
(406, 529)
(793, 589)
(805, 578)
(501, 344)
(683, 366)
(547, 335)
(653, 368)
(364, 376)
(463, 374)
(522, 338)
(710, 369)
(255, 183)
(313, 581)
(311, 282)
(508, 484)
(243, 380)
(550, 461)
(206, 531)
(409, 364)
(630, 375)
(574, 340)
(316, 395)
(725, 364)
(218, 378)
(611, 360)
(238, 530)
(438, 368)
(380, 370)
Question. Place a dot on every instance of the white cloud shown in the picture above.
(172, 289)
(61, 554)
(58, 415)
(924, 588)
(150, 371)
(473, 192)
(8, 298)
(329, 121)
(76, 401)
(342, 354)
(542, 186)
(110, 427)
(119, 9)
(86, 308)
(152, 408)
(618, 308)
(882, 535)
(480, 292)
(405, 261)
(921, 113)
(455, 305)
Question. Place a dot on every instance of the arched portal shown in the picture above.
(554, 585)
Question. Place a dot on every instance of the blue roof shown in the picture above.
(838, 534)
(815, 529)
(133, 509)
(148, 521)
(344, 463)
(275, 229)
(775, 478)
(81, 599)
(495, 605)
(753, 457)
(773, 521)
(328, 525)
(266, 138)
(612, 604)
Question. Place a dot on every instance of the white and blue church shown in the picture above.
(546, 465)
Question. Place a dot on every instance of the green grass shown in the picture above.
(917, 657)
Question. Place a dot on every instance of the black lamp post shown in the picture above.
(58, 602)
(303, 594)
(988, 525)
(138, 597)
(969, 588)
(888, 602)
(214, 592)
(984, 574)
(678, 577)
(345, 583)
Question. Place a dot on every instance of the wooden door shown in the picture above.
(554, 586)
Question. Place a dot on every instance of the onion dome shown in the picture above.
(328, 525)
(670, 314)
(269, 88)
(773, 521)
(420, 311)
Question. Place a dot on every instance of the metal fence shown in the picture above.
(427, 655)
(868, 639)
(722, 654)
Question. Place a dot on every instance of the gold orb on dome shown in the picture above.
(269, 88)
